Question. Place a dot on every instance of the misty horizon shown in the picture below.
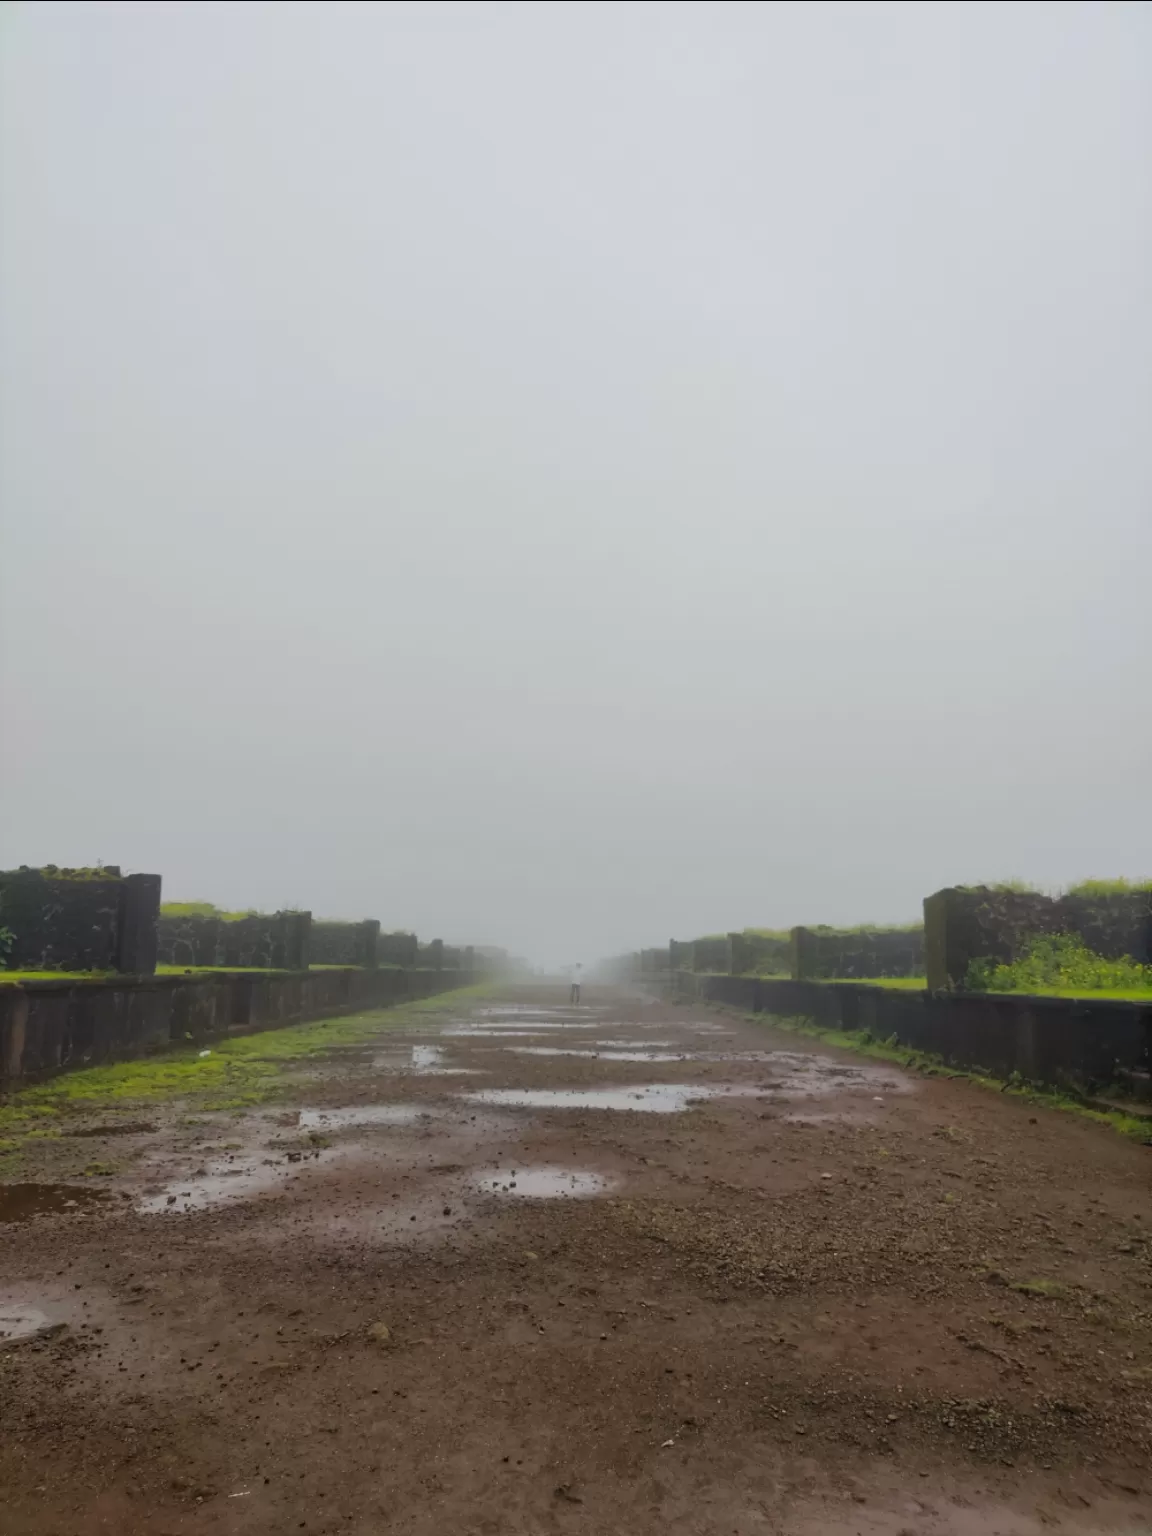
(561, 476)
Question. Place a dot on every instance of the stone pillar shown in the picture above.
(946, 928)
(805, 955)
(297, 934)
(137, 937)
(741, 958)
(366, 942)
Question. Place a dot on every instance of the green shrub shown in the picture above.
(1060, 960)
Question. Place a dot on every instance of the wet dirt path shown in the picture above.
(503, 1266)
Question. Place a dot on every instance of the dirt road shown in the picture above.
(502, 1266)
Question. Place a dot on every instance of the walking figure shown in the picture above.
(574, 990)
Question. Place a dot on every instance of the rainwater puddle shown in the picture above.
(21, 1202)
(526, 1011)
(20, 1322)
(541, 1183)
(425, 1061)
(594, 1055)
(540, 1027)
(464, 1032)
(361, 1114)
(220, 1182)
(632, 1045)
(654, 1098)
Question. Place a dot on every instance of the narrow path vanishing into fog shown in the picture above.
(498, 1265)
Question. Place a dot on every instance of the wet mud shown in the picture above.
(492, 1272)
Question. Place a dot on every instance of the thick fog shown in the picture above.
(561, 475)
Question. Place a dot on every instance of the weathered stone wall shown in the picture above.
(966, 923)
(80, 920)
(49, 1026)
(344, 943)
(397, 949)
(1058, 1041)
(828, 953)
(759, 954)
(712, 954)
(276, 940)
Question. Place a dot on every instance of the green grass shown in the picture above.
(901, 983)
(15, 977)
(1086, 994)
(1061, 964)
(1133, 1126)
(205, 909)
(237, 1072)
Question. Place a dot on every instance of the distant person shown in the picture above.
(574, 990)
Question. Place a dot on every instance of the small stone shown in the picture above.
(380, 1333)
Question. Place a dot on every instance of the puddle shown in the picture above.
(653, 1098)
(541, 1183)
(218, 1183)
(526, 1011)
(119, 1128)
(361, 1114)
(539, 1027)
(18, 1321)
(425, 1061)
(464, 1032)
(632, 1045)
(21, 1202)
(594, 1055)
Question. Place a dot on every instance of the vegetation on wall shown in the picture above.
(1059, 962)
(203, 909)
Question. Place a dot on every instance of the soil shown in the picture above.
(830, 1297)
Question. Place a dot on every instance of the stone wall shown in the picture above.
(274, 940)
(344, 943)
(712, 954)
(80, 920)
(829, 953)
(397, 949)
(966, 923)
(759, 954)
(48, 1027)
(1081, 1043)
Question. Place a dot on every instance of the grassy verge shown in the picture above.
(899, 983)
(1132, 1126)
(230, 1074)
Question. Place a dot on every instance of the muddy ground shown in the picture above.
(817, 1294)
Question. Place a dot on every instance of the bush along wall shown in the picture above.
(966, 924)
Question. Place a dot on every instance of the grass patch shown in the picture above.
(899, 983)
(860, 1040)
(15, 977)
(235, 1073)
(1052, 1289)
(1061, 964)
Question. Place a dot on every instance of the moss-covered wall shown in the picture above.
(276, 940)
(79, 919)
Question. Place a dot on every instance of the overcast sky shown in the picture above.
(561, 475)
